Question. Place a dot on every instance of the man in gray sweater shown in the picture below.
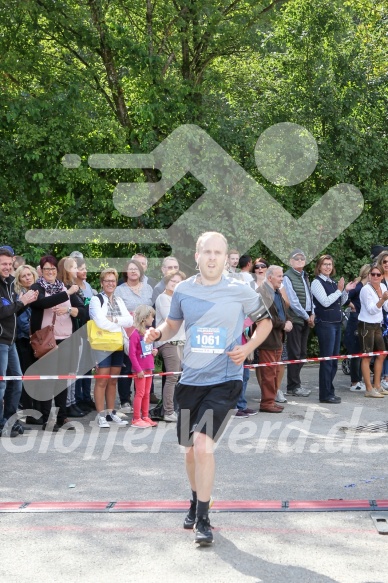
(298, 290)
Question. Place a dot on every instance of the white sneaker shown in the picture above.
(172, 418)
(102, 422)
(359, 387)
(126, 408)
(302, 392)
(114, 418)
(280, 398)
(384, 384)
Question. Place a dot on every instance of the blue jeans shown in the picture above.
(242, 402)
(10, 391)
(83, 388)
(329, 338)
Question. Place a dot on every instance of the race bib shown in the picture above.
(209, 340)
(146, 349)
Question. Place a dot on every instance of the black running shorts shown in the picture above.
(205, 409)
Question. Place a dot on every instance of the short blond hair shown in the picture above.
(107, 271)
(207, 235)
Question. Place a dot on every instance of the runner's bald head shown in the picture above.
(205, 236)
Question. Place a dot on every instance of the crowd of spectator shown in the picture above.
(57, 293)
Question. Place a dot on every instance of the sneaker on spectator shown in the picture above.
(301, 392)
(172, 418)
(102, 422)
(374, 394)
(17, 426)
(150, 422)
(384, 384)
(359, 387)
(241, 413)
(86, 406)
(114, 418)
(8, 432)
(126, 408)
(250, 412)
(140, 423)
(280, 398)
(65, 424)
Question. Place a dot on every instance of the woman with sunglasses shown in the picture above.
(109, 313)
(328, 296)
(351, 339)
(373, 298)
(382, 261)
(259, 269)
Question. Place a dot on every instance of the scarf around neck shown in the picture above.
(51, 288)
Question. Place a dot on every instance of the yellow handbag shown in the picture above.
(100, 339)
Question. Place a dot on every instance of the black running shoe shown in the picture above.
(190, 518)
(203, 531)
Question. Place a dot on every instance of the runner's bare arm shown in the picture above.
(166, 331)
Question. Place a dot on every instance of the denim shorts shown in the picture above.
(105, 359)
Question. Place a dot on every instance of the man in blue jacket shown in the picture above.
(9, 359)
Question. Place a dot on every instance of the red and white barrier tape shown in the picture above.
(162, 374)
(318, 359)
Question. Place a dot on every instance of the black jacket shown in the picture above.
(9, 307)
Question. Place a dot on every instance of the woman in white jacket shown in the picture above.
(109, 313)
(373, 298)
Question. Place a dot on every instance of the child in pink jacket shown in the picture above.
(142, 359)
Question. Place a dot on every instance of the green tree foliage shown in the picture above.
(119, 76)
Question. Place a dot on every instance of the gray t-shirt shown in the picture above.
(133, 300)
(214, 318)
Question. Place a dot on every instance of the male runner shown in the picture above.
(213, 308)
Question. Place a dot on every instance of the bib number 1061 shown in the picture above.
(205, 340)
(208, 339)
